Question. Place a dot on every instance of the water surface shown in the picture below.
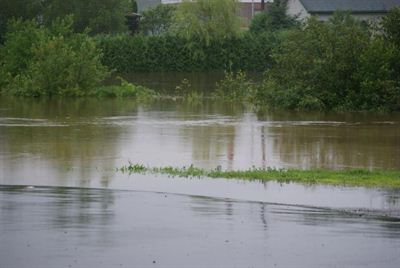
(80, 142)
(111, 219)
(65, 227)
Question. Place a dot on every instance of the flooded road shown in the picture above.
(66, 227)
(110, 219)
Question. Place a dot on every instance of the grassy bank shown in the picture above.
(358, 177)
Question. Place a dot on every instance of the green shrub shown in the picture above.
(235, 86)
(124, 90)
(339, 65)
(38, 61)
(140, 53)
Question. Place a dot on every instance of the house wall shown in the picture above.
(295, 8)
(361, 16)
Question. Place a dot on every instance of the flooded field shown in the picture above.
(108, 219)
(60, 227)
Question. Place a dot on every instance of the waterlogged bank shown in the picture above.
(365, 178)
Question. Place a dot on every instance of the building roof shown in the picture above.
(355, 6)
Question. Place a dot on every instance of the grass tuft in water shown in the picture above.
(356, 177)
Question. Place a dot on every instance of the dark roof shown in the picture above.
(355, 6)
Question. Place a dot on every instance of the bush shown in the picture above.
(336, 65)
(124, 90)
(235, 86)
(140, 53)
(38, 61)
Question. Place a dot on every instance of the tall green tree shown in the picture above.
(157, 20)
(391, 26)
(207, 19)
(100, 16)
(316, 65)
(14, 9)
(273, 19)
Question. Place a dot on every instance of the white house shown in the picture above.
(323, 9)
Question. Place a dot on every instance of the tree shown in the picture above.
(100, 16)
(24, 9)
(207, 20)
(316, 66)
(273, 19)
(157, 20)
(47, 61)
(391, 26)
(134, 6)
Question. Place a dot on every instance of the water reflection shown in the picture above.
(102, 228)
(81, 142)
(58, 138)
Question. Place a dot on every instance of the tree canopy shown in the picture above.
(207, 19)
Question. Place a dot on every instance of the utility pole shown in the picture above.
(262, 5)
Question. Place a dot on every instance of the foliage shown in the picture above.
(391, 26)
(124, 90)
(37, 61)
(169, 53)
(379, 77)
(157, 20)
(134, 6)
(207, 20)
(100, 16)
(357, 177)
(316, 66)
(185, 91)
(273, 19)
(9, 9)
(235, 86)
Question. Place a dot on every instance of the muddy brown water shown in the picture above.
(53, 144)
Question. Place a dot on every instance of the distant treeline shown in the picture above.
(340, 64)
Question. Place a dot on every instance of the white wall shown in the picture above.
(296, 8)
(362, 17)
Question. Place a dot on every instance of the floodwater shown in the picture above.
(60, 227)
(73, 208)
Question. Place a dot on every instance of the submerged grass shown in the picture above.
(357, 177)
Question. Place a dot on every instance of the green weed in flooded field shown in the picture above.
(356, 177)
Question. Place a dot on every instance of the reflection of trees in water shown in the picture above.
(352, 222)
(68, 136)
(230, 210)
(392, 198)
(212, 143)
(63, 209)
(315, 140)
(82, 207)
